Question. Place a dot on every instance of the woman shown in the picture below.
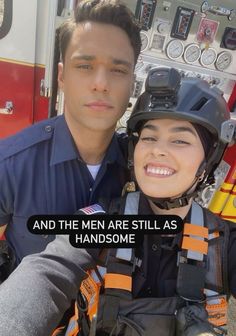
(171, 282)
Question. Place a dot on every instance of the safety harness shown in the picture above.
(105, 305)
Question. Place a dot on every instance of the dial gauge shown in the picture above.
(1, 12)
(144, 41)
(163, 28)
(175, 49)
(192, 53)
(208, 56)
(223, 61)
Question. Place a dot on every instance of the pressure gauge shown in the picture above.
(223, 61)
(163, 28)
(208, 56)
(144, 41)
(5, 17)
(175, 49)
(192, 53)
(1, 12)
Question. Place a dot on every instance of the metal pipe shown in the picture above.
(69, 4)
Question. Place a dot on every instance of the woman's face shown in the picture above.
(167, 157)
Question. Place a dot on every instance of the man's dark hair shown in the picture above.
(102, 11)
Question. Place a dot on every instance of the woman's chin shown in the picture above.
(159, 195)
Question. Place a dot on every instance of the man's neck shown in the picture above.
(92, 145)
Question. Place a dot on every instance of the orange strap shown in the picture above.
(89, 288)
(217, 313)
(215, 234)
(118, 281)
(196, 230)
(58, 331)
(195, 245)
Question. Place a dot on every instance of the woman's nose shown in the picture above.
(160, 148)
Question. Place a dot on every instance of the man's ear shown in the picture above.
(60, 76)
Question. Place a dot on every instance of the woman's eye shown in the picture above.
(180, 142)
(148, 139)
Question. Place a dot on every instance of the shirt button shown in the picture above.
(149, 290)
(48, 128)
(154, 247)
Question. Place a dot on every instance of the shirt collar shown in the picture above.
(64, 148)
(114, 152)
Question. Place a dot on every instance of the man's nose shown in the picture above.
(101, 80)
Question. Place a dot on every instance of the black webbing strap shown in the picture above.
(112, 296)
(191, 282)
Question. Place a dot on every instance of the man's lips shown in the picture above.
(99, 105)
(159, 170)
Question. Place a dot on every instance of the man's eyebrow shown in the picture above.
(83, 57)
(115, 61)
(177, 129)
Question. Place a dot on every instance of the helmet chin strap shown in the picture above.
(183, 200)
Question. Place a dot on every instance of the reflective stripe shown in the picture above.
(132, 203)
(196, 245)
(229, 210)
(118, 281)
(124, 253)
(212, 296)
(195, 230)
(220, 198)
(73, 327)
(198, 220)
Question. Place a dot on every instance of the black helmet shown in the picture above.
(168, 96)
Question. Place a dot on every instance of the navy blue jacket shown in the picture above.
(41, 172)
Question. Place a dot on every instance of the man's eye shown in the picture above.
(120, 71)
(83, 66)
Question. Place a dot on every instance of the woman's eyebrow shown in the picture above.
(183, 129)
(176, 129)
(151, 127)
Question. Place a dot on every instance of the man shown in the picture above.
(65, 163)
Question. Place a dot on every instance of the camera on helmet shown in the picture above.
(163, 85)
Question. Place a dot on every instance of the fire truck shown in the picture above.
(196, 37)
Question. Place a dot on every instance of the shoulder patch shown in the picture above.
(93, 209)
(26, 138)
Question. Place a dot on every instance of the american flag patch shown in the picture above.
(93, 209)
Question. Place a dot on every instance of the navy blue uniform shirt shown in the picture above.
(41, 172)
